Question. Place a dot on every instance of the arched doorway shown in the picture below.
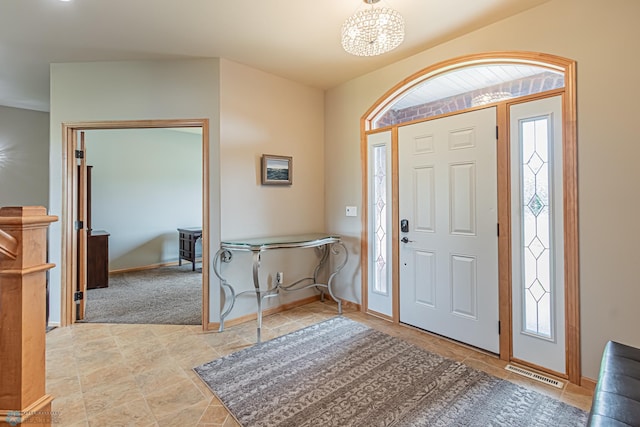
(501, 82)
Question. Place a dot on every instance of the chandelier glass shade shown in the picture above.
(372, 31)
(490, 98)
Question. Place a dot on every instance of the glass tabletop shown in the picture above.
(275, 242)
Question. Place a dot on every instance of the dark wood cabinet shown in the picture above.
(187, 250)
(97, 259)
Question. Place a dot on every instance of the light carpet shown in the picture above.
(167, 295)
(343, 373)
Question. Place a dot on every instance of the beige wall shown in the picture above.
(136, 90)
(24, 157)
(160, 173)
(599, 36)
(264, 114)
(251, 113)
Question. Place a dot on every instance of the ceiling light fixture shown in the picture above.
(372, 31)
(490, 98)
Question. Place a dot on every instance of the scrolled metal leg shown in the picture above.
(256, 284)
(324, 256)
(335, 249)
(224, 255)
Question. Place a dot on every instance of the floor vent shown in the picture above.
(535, 376)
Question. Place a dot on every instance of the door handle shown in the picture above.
(405, 240)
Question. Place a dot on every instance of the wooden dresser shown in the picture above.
(97, 259)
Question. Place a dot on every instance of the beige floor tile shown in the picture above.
(110, 395)
(134, 413)
(88, 362)
(70, 408)
(109, 374)
(94, 345)
(214, 414)
(578, 396)
(152, 380)
(197, 381)
(189, 416)
(61, 371)
(90, 331)
(146, 361)
(142, 374)
(175, 397)
(64, 386)
(231, 422)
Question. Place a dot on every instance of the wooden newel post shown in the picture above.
(23, 267)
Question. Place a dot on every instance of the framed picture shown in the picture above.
(277, 170)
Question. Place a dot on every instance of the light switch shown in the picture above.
(351, 211)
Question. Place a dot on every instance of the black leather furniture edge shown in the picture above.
(616, 400)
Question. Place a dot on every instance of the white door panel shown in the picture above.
(448, 193)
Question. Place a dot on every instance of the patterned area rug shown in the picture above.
(342, 373)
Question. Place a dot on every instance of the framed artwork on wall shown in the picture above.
(277, 170)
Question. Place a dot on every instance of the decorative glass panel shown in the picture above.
(536, 228)
(380, 281)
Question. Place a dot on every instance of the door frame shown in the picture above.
(70, 202)
(570, 188)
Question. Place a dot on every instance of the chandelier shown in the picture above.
(489, 98)
(372, 31)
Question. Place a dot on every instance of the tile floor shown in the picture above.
(141, 375)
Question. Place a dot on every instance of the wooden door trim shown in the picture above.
(69, 204)
(572, 280)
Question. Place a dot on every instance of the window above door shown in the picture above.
(467, 87)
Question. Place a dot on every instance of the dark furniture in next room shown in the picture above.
(187, 245)
(97, 259)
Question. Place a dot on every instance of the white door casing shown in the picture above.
(537, 233)
(448, 194)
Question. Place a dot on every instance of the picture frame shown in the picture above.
(277, 170)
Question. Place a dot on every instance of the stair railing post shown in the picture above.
(23, 268)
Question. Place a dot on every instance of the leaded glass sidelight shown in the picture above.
(537, 266)
(380, 280)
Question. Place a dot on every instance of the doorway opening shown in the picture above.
(73, 268)
(502, 81)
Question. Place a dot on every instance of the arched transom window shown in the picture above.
(464, 88)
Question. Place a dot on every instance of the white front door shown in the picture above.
(449, 249)
(537, 231)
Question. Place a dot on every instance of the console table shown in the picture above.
(326, 244)
(187, 238)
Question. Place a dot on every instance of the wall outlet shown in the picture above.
(279, 277)
(351, 211)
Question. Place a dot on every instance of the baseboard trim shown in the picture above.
(379, 315)
(148, 267)
(214, 326)
(39, 412)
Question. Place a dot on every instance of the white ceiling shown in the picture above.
(295, 39)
